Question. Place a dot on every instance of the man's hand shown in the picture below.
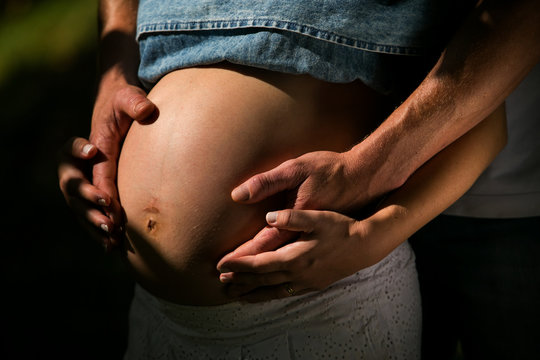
(316, 180)
(114, 111)
(93, 195)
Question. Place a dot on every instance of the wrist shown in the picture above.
(119, 60)
(383, 231)
(119, 53)
(373, 168)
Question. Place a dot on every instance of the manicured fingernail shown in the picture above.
(225, 278)
(104, 227)
(271, 217)
(87, 148)
(241, 193)
(102, 202)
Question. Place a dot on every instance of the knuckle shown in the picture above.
(294, 168)
(261, 181)
(285, 217)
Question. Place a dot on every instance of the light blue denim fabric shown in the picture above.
(337, 41)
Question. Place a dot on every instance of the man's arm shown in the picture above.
(119, 101)
(332, 246)
(489, 55)
(486, 59)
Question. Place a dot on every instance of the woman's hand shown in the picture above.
(330, 247)
(85, 199)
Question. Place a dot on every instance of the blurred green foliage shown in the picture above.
(44, 33)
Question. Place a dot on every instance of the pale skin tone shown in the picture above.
(429, 122)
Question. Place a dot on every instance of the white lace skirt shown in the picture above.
(373, 314)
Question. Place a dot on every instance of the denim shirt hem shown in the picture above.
(280, 25)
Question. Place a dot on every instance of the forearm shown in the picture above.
(490, 54)
(436, 185)
(119, 54)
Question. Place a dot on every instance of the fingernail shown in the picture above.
(102, 202)
(104, 227)
(271, 217)
(241, 193)
(87, 148)
(225, 278)
(140, 106)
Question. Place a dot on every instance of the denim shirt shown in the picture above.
(332, 40)
(407, 27)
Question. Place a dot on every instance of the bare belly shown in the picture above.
(216, 127)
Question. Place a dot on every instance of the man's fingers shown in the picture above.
(132, 101)
(286, 176)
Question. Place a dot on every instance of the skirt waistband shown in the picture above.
(236, 319)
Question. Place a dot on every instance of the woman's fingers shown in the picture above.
(246, 282)
(267, 239)
(95, 221)
(92, 215)
(311, 262)
(82, 148)
(78, 148)
(266, 262)
(286, 258)
(250, 279)
(81, 188)
(295, 220)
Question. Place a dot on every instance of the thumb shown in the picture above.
(294, 220)
(286, 176)
(132, 101)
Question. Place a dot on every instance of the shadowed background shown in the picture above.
(61, 296)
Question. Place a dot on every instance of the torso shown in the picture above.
(216, 127)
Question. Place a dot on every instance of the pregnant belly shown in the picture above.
(215, 128)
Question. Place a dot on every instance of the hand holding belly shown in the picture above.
(216, 128)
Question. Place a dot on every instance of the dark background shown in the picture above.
(62, 297)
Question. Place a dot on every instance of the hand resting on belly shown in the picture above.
(216, 127)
